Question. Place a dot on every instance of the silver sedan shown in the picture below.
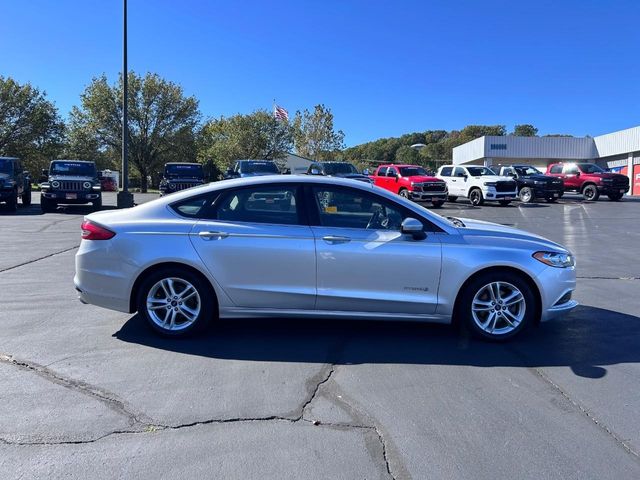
(305, 246)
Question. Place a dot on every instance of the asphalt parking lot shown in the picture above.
(91, 393)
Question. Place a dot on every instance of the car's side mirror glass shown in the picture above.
(414, 228)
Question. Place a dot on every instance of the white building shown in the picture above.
(620, 150)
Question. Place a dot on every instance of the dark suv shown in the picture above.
(590, 180)
(14, 183)
(338, 169)
(251, 168)
(532, 183)
(71, 182)
(180, 176)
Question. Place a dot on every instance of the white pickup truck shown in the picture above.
(478, 184)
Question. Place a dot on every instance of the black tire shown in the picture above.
(452, 198)
(526, 195)
(504, 203)
(205, 297)
(615, 197)
(46, 205)
(475, 197)
(437, 203)
(404, 193)
(590, 193)
(26, 197)
(97, 204)
(465, 317)
(12, 202)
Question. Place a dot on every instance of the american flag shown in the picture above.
(280, 113)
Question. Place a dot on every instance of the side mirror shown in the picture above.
(44, 172)
(414, 228)
(577, 174)
(314, 171)
(366, 171)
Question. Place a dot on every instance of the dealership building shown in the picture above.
(618, 151)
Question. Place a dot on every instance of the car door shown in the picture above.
(571, 177)
(392, 180)
(258, 246)
(364, 262)
(459, 182)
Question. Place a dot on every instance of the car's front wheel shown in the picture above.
(497, 305)
(526, 195)
(590, 193)
(404, 193)
(475, 197)
(175, 302)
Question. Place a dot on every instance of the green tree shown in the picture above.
(30, 127)
(162, 122)
(314, 134)
(525, 130)
(406, 154)
(257, 135)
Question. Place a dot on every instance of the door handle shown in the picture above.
(213, 235)
(334, 239)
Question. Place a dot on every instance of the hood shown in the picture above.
(423, 179)
(606, 175)
(495, 178)
(71, 178)
(488, 229)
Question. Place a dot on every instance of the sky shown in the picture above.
(385, 68)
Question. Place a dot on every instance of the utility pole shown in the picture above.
(125, 198)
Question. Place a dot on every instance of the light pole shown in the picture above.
(125, 198)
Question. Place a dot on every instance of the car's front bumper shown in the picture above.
(541, 192)
(71, 198)
(428, 196)
(556, 287)
(612, 189)
(491, 194)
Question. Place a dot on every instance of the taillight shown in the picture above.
(92, 231)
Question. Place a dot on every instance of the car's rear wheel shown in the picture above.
(526, 195)
(497, 306)
(475, 197)
(590, 192)
(176, 302)
(615, 197)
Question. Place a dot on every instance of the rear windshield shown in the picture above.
(339, 168)
(413, 171)
(6, 166)
(73, 168)
(259, 167)
(184, 170)
(480, 171)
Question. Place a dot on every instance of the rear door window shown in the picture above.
(556, 169)
(276, 204)
(446, 171)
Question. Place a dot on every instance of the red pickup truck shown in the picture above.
(590, 180)
(411, 181)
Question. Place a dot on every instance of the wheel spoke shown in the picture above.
(189, 313)
(166, 288)
(157, 307)
(171, 286)
(490, 318)
(513, 299)
(508, 314)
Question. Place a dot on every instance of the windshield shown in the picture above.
(413, 171)
(183, 170)
(76, 169)
(527, 171)
(259, 167)
(5, 165)
(339, 168)
(590, 168)
(480, 171)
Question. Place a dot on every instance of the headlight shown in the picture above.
(554, 259)
(489, 184)
(55, 184)
(87, 185)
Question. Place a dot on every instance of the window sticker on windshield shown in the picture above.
(331, 209)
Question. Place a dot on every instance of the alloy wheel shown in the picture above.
(498, 308)
(173, 304)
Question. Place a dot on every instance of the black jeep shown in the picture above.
(532, 183)
(71, 182)
(14, 183)
(179, 176)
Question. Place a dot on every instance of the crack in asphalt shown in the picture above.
(621, 442)
(146, 425)
(102, 396)
(38, 259)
